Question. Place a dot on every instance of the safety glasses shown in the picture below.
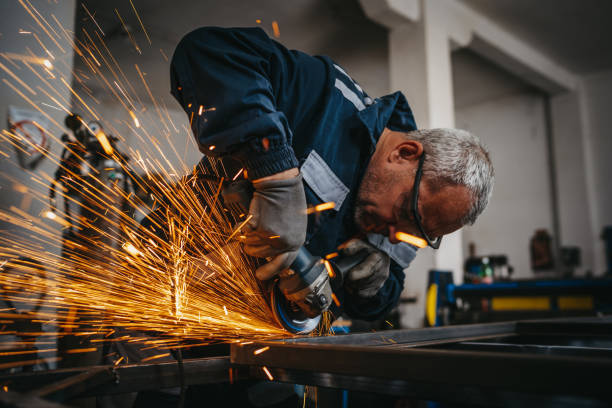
(435, 244)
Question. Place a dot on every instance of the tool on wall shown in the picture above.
(89, 154)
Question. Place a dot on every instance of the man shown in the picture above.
(305, 133)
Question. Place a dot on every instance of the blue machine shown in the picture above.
(448, 303)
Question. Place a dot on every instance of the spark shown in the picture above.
(81, 350)
(265, 370)
(93, 19)
(50, 106)
(131, 249)
(411, 239)
(16, 78)
(155, 357)
(140, 21)
(332, 255)
(276, 29)
(163, 55)
(129, 33)
(330, 270)
(261, 350)
(50, 215)
(335, 299)
(118, 275)
(238, 174)
(321, 207)
(239, 228)
(103, 140)
(136, 121)
(211, 147)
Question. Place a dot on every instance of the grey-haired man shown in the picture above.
(307, 134)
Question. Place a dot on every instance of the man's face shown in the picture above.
(384, 202)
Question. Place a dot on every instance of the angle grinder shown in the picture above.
(304, 291)
(301, 293)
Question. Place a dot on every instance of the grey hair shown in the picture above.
(455, 156)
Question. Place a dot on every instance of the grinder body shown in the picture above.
(304, 291)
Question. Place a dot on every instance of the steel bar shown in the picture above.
(473, 396)
(533, 349)
(126, 378)
(14, 399)
(583, 326)
(76, 384)
(522, 372)
(401, 359)
(392, 337)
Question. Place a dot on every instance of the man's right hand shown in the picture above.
(277, 228)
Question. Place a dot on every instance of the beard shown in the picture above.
(374, 185)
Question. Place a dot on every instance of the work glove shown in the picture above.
(366, 278)
(277, 227)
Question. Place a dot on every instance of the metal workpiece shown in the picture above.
(456, 363)
(553, 362)
(462, 395)
(17, 400)
(105, 380)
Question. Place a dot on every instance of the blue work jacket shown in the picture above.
(256, 104)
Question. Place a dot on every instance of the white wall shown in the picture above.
(597, 128)
(575, 217)
(170, 140)
(509, 118)
(513, 129)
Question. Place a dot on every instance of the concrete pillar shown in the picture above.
(420, 67)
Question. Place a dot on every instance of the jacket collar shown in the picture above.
(391, 111)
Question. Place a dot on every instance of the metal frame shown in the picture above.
(79, 382)
(416, 363)
(470, 364)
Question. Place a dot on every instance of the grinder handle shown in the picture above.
(343, 264)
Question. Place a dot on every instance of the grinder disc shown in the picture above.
(288, 315)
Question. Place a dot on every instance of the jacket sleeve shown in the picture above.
(377, 307)
(225, 80)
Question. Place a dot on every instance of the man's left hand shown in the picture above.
(277, 227)
(366, 279)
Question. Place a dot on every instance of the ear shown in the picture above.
(406, 151)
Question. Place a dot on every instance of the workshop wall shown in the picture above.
(575, 215)
(15, 18)
(339, 30)
(16, 185)
(176, 142)
(509, 117)
(597, 99)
